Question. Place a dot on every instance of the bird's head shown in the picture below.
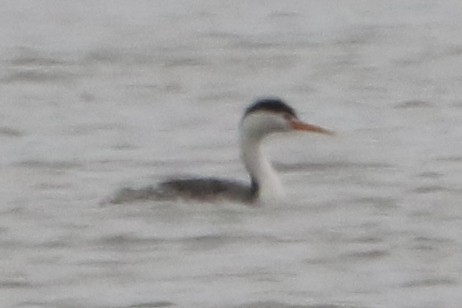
(272, 115)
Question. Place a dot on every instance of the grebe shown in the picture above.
(261, 119)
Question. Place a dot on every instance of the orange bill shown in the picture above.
(299, 125)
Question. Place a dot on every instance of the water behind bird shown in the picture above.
(110, 97)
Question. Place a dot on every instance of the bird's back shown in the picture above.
(205, 189)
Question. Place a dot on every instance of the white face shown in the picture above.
(263, 123)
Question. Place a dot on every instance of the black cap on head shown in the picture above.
(270, 104)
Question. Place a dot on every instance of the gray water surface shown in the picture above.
(99, 96)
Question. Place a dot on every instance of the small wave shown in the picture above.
(14, 284)
(367, 255)
(276, 304)
(39, 76)
(153, 304)
(49, 164)
(426, 189)
(412, 104)
(335, 165)
(10, 132)
(429, 282)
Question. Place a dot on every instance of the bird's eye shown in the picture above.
(287, 116)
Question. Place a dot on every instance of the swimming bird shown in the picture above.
(263, 118)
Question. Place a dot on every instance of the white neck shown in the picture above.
(260, 169)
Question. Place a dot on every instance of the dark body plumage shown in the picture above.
(208, 189)
(201, 189)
